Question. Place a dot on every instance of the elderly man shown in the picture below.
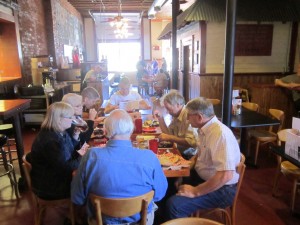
(125, 94)
(179, 130)
(118, 170)
(215, 177)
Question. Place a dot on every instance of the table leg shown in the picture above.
(243, 140)
(19, 145)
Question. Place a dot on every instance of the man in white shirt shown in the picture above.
(213, 182)
(123, 95)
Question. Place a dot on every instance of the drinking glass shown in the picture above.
(80, 124)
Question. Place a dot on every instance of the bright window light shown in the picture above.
(121, 57)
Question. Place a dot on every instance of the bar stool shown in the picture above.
(8, 167)
(7, 129)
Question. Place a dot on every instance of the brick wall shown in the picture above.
(45, 26)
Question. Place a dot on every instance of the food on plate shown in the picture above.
(98, 132)
(151, 123)
(165, 144)
(149, 129)
(171, 159)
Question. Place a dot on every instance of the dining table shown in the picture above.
(12, 109)
(170, 172)
(280, 151)
(247, 119)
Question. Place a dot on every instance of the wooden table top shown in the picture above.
(9, 107)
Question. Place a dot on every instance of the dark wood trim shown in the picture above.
(203, 36)
(293, 46)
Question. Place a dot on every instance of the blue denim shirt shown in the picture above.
(118, 171)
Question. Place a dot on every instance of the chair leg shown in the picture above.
(294, 190)
(256, 152)
(277, 176)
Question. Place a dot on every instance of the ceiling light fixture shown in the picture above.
(120, 24)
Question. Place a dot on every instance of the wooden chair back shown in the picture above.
(251, 106)
(279, 115)
(229, 212)
(39, 205)
(121, 207)
(191, 221)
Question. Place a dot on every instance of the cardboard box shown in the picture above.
(292, 144)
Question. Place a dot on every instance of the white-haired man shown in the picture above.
(118, 171)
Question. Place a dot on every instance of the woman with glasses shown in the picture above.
(86, 128)
(53, 159)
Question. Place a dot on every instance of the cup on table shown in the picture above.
(153, 145)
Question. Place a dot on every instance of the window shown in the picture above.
(121, 57)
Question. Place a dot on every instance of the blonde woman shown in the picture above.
(53, 159)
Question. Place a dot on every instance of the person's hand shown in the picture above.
(165, 137)
(92, 114)
(187, 191)
(83, 149)
(156, 114)
(76, 133)
(100, 119)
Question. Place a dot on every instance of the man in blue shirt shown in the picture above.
(118, 171)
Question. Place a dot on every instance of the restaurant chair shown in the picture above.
(191, 221)
(228, 214)
(121, 207)
(251, 106)
(9, 170)
(286, 168)
(261, 136)
(214, 101)
(40, 205)
(243, 93)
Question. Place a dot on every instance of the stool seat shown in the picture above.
(288, 168)
(6, 126)
(293, 172)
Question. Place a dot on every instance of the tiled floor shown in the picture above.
(255, 205)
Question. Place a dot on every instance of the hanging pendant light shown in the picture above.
(120, 24)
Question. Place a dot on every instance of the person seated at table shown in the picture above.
(292, 82)
(90, 100)
(92, 75)
(160, 82)
(179, 130)
(53, 159)
(212, 183)
(76, 101)
(123, 95)
(125, 171)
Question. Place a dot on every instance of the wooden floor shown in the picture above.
(256, 206)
